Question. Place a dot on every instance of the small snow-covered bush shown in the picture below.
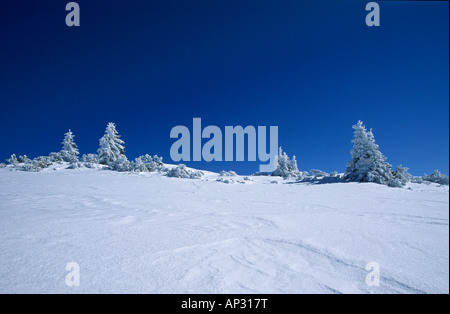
(35, 165)
(75, 165)
(147, 163)
(111, 146)
(401, 175)
(228, 180)
(12, 160)
(90, 158)
(260, 174)
(368, 164)
(437, 177)
(182, 172)
(319, 173)
(69, 151)
(304, 174)
(23, 163)
(2, 165)
(121, 164)
(42, 162)
(416, 179)
(28, 167)
(56, 157)
(224, 173)
(284, 166)
(334, 174)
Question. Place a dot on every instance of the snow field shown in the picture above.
(147, 233)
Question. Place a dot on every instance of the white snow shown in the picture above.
(146, 233)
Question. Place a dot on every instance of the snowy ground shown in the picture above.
(146, 233)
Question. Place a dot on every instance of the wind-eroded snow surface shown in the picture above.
(147, 233)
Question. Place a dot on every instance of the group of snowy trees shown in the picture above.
(110, 154)
(287, 168)
(368, 164)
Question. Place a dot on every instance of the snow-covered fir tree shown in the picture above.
(334, 174)
(23, 159)
(368, 164)
(69, 150)
(111, 146)
(284, 166)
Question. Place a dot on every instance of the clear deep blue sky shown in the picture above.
(313, 68)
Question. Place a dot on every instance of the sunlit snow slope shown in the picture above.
(147, 233)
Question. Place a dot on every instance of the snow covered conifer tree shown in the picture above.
(69, 151)
(284, 166)
(368, 164)
(111, 146)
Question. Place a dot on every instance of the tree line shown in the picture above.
(367, 164)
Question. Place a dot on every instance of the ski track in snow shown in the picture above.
(145, 233)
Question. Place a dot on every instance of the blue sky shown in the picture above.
(313, 68)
